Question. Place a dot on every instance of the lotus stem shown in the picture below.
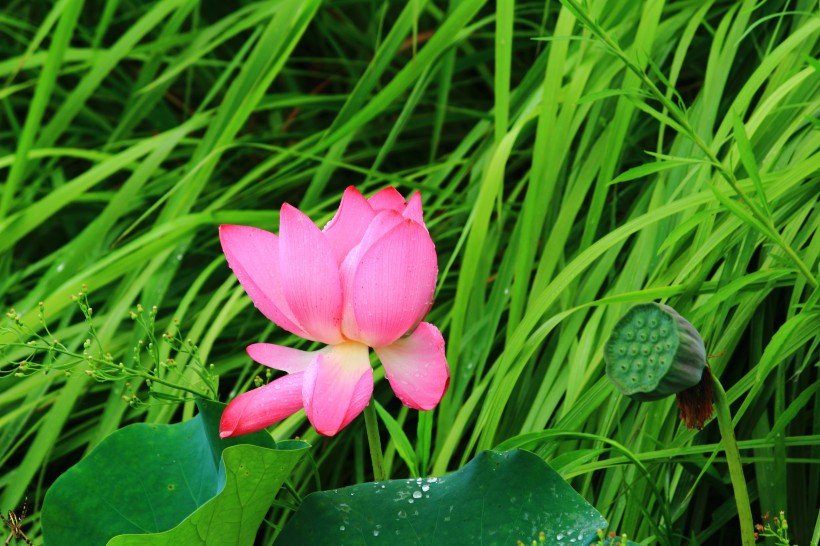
(374, 442)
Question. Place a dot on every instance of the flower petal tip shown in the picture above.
(279, 357)
(262, 407)
(227, 424)
(413, 211)
(388, 198)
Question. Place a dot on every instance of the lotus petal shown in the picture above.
(310, 276)
(281, 358)
(347, 227)
(413, 211)
(253, 255)
(337, 387)
(382, 224)
(387, 199)
(393, 285)
(262, 407)
(416, 367)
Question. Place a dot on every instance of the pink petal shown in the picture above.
(262, 407)
(382, 224)
(392, 288)
(413, 210)
(253, 255)
(310, 276)
(416, 367)
(280, 358)
(337, 387)
(345, 230)
(387, 199)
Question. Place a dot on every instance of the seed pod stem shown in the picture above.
(727, 431)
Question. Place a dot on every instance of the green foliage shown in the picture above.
(612, 539)
(253, 476)
(777, 529)
(147, 479)
(494, 499)
(43, 353)
(575, 158)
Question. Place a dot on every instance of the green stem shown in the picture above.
(372, 424)
(744, 509)
(815, 537)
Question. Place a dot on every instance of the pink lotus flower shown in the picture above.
(366, 280)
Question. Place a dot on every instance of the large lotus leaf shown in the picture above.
(253, 477)
(140, 479)
(497, 498)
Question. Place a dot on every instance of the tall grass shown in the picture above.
(574, 158)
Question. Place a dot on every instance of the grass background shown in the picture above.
(574, 158)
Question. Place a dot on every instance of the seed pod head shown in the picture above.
(654, 352)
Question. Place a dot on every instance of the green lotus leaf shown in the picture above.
(145, 479)
(497, 498)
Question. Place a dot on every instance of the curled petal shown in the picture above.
(253, 255)
(416, 367)
(387, 199)
(280, 358)
(346, 229)
(392, 288)
(337, 387)
(262, 407)
(310, 276)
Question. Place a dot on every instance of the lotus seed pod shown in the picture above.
(654, 352)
